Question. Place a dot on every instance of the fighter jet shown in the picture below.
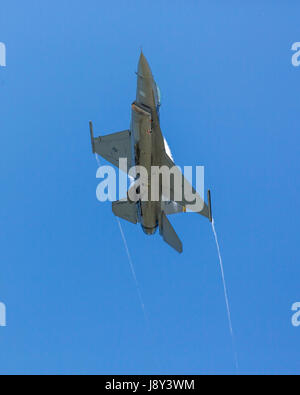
(144, 145)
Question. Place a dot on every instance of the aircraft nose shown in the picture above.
(143, 67)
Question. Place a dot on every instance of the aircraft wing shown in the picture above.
(113, 146)
(205, 211)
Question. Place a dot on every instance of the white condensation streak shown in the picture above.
(226, 295)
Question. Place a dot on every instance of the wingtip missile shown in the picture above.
(209, 205)
(92, 136)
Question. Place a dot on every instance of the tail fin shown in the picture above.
(168, 233)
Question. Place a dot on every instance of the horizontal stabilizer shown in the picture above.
(126, 210)
(168, 233)
(170, 207)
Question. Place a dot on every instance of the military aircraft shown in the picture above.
(144, 145)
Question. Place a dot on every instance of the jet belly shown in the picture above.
(143, 144)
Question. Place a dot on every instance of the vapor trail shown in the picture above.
(133, 273)
(131, 267)
(130, 261)
(226, 295)
(148, 327)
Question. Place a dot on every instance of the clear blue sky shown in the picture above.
(230, 102)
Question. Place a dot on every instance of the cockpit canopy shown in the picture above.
(157, 96)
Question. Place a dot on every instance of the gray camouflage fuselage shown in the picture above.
(148, 142)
